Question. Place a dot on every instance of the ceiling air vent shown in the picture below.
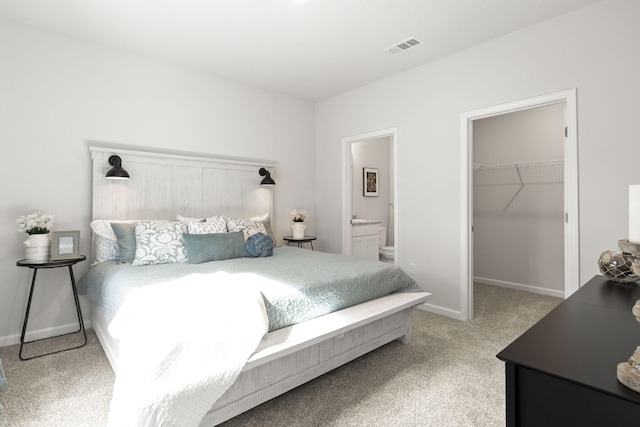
(403, 45)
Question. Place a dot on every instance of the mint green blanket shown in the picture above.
(301, 284)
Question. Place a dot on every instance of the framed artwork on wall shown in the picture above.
(65, 245)
(370, 182)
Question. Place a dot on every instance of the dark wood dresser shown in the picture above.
(562, 371)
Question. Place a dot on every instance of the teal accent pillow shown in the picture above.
(126, 239)
(213, 246)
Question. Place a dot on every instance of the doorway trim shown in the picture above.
(571, 216)
(347, 185)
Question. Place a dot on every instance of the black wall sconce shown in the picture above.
(267, 180)
(116, 171)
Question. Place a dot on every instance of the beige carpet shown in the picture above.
(447, 376)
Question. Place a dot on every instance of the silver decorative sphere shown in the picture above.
(617, 266)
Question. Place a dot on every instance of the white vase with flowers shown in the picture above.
(37, 245)
(298, 216)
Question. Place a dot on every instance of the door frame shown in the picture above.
(571, 209)
(347, 185)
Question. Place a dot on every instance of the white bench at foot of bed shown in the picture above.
(292, 356)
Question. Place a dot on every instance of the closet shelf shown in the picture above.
(518, 174)
(480, 166)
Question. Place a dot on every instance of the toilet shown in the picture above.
(386, 253)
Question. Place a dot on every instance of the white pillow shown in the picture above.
(207, 227)
(247, 226)
(188, 220)
(219, 221)
(159, 243)
(104, 250)
(102, 228)
(266, 221)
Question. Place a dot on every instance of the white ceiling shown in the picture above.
(311, 49)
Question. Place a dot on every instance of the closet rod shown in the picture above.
(480, 166)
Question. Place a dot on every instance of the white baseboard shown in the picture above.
(436, 309)
(520, 287)
(43, 333)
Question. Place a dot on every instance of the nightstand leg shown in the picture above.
(77, 300)
(26, 315)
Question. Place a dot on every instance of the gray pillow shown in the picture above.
(213, 246)
(126, 238)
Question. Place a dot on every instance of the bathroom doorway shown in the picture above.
(375, 152)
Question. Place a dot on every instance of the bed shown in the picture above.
(297, 345)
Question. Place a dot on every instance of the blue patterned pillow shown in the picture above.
(159, 243)
(258, 245)
(213, 246)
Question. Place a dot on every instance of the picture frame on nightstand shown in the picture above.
(65, 245)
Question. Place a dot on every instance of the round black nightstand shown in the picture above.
(35, 266)
(299, 242)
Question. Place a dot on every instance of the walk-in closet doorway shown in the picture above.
(518, 200)
(526, 215)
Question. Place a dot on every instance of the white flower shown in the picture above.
(298, 215)
(35, 223)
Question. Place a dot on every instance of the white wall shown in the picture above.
(374, 153)
(531, 135)
(58, 93)
(592, 49)
(518, 224)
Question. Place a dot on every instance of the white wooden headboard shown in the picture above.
(164, 185)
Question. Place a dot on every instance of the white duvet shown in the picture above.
(182, 344)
